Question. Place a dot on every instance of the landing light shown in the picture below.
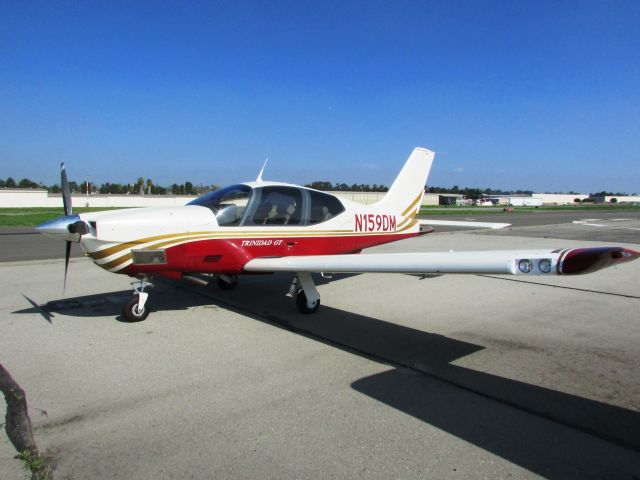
(544, 265)
(525, 266)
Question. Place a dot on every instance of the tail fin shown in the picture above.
(407, 190)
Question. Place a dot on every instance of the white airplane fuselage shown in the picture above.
(170, 241)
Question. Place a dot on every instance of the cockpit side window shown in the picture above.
(277, 206)
(227, 204)
(323, 207)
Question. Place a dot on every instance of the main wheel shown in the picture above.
(303, 306)
(225, 284)
(130, 310)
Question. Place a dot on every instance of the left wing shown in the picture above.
(570, 261)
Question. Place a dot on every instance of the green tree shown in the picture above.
(321, 185)
(26, 183)
(158, 190)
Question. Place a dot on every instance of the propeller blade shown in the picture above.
(66, 193)
(67, 254)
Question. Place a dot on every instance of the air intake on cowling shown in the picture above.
(149, 257)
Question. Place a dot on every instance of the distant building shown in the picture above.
(560, 198)
(635, 199)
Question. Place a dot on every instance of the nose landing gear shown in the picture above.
(137, 308)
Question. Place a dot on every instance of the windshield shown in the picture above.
(227, 204)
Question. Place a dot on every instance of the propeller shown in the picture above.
(66, 193)
(69, 228)
(68, 209)
(78, 227)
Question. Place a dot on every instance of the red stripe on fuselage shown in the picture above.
(230, 255)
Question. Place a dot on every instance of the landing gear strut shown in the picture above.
(227, 282)
(137, 308)
(308, 298)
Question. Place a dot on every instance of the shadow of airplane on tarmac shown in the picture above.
(166, 298)
(491, 412)
(575, 438)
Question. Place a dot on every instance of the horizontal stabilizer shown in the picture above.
(456, 223)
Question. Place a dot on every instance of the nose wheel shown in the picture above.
(132, 311)
(137, 308)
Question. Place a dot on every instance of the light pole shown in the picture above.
(87, 182)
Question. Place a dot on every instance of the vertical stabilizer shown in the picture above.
(405, 195)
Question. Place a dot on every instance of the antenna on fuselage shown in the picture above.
(259, 179)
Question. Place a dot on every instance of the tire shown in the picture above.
(224, 285)
(301, 303)
(130, 310)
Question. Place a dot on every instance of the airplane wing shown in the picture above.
(456, 223)
(570, 261)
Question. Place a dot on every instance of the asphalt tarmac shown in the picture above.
(396, 376)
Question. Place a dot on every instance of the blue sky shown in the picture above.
(517, 94)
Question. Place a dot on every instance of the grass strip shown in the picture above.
(30, 217)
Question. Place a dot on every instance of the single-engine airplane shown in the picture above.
(266, 227)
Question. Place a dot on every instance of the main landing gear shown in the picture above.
(137, 308)
(227, 282)
(307, 296)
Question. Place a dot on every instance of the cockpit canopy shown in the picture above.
(228, 204)
(269, 205)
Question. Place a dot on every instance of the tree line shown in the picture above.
(476, 193)
(343, 187)
(142, 186)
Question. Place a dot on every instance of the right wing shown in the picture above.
(462, 223)
(570, 261)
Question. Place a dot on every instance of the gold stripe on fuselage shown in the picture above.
(408, 219)
(413, 204)
(107, 252)
(117, 262)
